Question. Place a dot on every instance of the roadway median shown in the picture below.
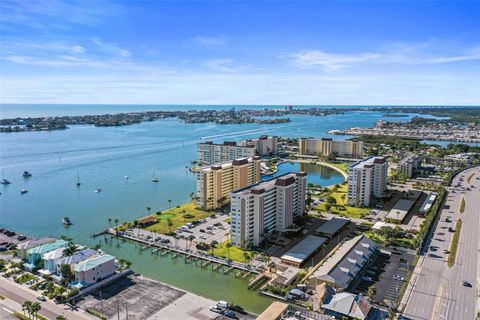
(454, 245)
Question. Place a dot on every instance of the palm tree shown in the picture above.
(228, 245)
(212, 246)
(26, 306)
(190, 237)
(35, 308)
(148, 210)
(70, 249)
(245, 255)
(170, 225)
(169, 203)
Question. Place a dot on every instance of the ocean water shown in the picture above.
(102, 157)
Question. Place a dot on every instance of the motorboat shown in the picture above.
(78, 180)
(5, 181)
(26, 174)
(23, 191)
(126, 177)
(66, 221)
(98, 190)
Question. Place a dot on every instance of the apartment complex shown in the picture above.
(409, 164)
(210, 153)
(367, 179)
(265, 207)
(215, 182)
(326, 147)
(264, 145)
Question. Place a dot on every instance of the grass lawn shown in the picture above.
(236, 253)
(176, 215)
(341, 208)
(25, 278)
(342, 166)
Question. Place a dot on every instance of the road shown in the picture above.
(437, 291)
(16, 294)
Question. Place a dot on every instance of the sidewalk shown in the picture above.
(15, 294)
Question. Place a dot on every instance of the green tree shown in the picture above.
(60, 317)
(35, 308)
(66, 272)
(371, 292)
(170, 225)
(27, 306)
(331, 200)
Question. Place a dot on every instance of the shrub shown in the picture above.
(189, 216)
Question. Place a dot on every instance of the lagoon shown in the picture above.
(317, 173)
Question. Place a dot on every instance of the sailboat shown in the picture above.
(154, 178)
(4, 181)
(78, 180)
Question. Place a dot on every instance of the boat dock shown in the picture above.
(190, 256)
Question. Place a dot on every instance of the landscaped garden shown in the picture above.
(172, 219)
(234, 253)
(336, 202)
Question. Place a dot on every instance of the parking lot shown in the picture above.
(9, 239)
(387, 272)
(208, 230)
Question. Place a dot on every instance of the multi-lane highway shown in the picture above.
(437, 291)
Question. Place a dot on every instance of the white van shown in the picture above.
(222, 304)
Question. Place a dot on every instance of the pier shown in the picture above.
(190, 256)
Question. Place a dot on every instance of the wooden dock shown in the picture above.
(194, 256)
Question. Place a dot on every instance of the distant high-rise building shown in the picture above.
(209, 153)
(367, 179)
(409, 164)
(268, 206)
(326, 147)
(215, 182)
(264, 145)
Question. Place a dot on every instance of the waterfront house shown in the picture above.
(34, 255)
(49, 259)
(346, 304)
(74, 259)
(29, 244)
(147, 221)
(93, 270)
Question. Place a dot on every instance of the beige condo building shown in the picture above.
(326, 147)
(215, 182)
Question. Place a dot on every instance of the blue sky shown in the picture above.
(240, 52)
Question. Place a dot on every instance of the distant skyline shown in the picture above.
(240, 52)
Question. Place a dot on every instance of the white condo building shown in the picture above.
(209, 153)
(367, 179)
(266, 207)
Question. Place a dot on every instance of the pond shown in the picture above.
(317, 174)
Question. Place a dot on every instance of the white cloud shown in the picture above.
(396, 54)
(111, 48)
(210, 41)
(226, 65)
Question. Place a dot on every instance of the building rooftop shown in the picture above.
(236, 162)
(427, 204)
(34, 243)
(77, 257)
(304, 249)
(93, 262)
(344, 264)
(349, 304)
(44, 248)
(260, 187)
(368, 162)
(400, 209)
(54, 254)
(332, 226)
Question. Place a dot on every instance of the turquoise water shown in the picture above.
(102, 157)
(317, 174)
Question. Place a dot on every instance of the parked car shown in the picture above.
(467, 284)
(230, 314)
(42, 298)
(216, 309)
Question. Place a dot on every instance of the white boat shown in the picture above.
(23, 191)
(26, 174)
(66, 221)
(154, 178)
(126, 177)
(5, 181)
(78, 180)
(98, 190)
